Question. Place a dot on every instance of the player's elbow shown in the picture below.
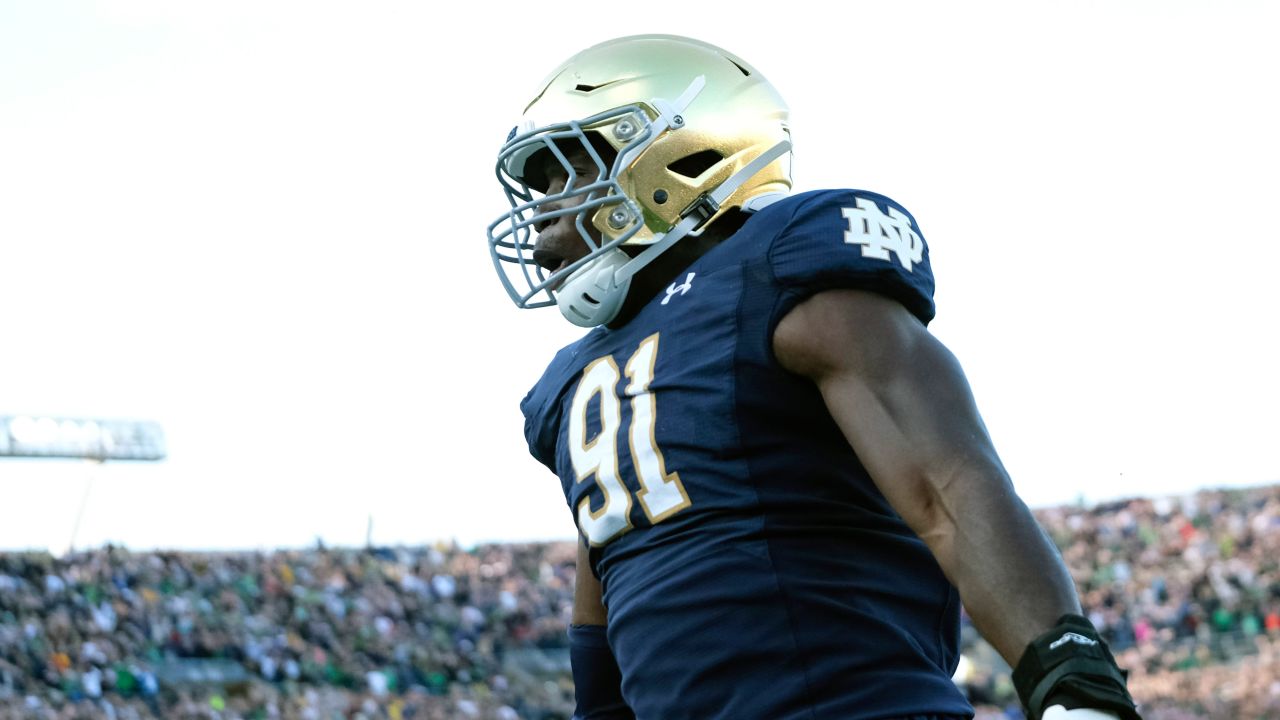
(937, 529)
(950, 498)
(925, 509)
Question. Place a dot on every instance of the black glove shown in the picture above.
(1071, 666)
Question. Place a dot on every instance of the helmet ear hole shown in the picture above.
(691, 166)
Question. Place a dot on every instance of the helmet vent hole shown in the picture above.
(691, 166)
(583, 88)
(745, 72)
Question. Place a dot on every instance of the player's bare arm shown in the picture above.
(596, 677)
(904, 404)
(588, 608)
(902, 401)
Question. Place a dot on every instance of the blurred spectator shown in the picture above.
(379, 633)
(1186, 590)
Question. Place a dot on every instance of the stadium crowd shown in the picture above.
(1186, 591)
(422, 633)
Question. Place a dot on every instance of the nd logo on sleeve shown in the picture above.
(879, 234)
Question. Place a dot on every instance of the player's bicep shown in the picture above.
(588, 602)
(898, 395)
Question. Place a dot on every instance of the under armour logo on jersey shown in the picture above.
(1072, 637)
(879, 233)
(682, 288)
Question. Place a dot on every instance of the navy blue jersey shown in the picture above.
(750, 567)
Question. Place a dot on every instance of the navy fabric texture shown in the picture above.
(786, 587)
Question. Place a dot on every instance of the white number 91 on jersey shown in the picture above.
(661, 494)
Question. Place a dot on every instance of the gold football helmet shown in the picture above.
(697, 132)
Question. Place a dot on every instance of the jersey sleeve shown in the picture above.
(853, 239)
(538, 432)
(541, 406)
(541, 411)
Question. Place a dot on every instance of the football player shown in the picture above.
(782, 484)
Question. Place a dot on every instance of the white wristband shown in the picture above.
(1058, 712)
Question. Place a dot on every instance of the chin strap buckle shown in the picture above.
(704, 208)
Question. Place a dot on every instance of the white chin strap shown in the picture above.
(593, 294)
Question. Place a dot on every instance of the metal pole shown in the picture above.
(95, 464)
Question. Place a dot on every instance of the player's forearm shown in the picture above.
(1011, 578)
(588, 603)
(597, 681)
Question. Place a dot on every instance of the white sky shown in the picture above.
(262, 224)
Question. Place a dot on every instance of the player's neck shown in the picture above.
(667, 266)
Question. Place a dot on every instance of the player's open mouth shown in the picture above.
(559, 281)
(551, 263)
